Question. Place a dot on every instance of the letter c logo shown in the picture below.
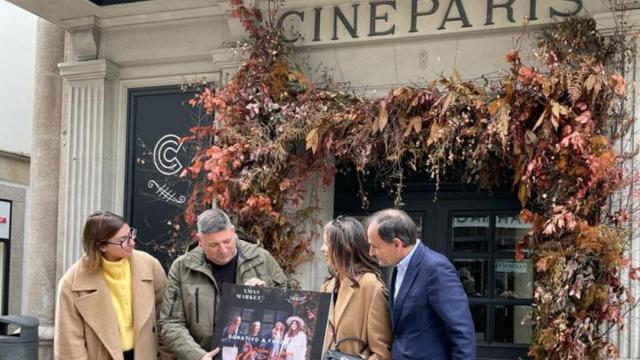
(165, 155)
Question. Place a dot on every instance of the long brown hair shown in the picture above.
(349, 249)
(290, 332)
(99, 227)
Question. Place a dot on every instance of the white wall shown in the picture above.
(17, 59)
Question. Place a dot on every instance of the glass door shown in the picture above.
(481, 238)
(478, 231)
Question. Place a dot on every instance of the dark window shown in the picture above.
(500, 289)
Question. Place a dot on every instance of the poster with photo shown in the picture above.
(254, 323)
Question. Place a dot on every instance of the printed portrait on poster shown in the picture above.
(255, 323)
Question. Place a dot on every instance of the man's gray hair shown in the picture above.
(394, 223)
(213, 221)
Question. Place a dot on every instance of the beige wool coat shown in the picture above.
(361, 311)
(86, 324)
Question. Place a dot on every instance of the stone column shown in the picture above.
(89, 148)
(43, 194)
(628, 338)
(313, 273)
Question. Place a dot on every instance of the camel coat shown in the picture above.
(361, 311)
(86, 324)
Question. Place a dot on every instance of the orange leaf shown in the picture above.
(434, 133)
(526, 216)
(522, 193)
(196, 167)
(495, 106)
(382, 120)
(415, 123)
(312, 140)
(447, 102)
(540, 120)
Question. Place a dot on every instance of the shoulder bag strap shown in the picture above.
(363, 345)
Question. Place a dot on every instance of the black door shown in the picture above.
(478, 231)
(155, 194)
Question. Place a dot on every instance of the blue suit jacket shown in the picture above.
(430, 316)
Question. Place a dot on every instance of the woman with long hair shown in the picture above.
(234, 326)
(107, 301)
(230, 338)
(294, 344)
(274, 342)
(359, 319)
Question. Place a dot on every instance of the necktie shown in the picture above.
(393, 282)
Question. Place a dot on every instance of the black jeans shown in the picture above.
(128, 355)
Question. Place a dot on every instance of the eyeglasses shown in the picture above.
(124, 241)
(338, 222)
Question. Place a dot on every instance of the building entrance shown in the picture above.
(478, 232)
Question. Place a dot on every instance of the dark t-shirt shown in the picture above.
(224, 273)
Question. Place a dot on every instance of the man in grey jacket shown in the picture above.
(195, 280)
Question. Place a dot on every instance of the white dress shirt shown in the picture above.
(402, 269)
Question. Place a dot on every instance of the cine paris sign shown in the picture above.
(404, 18)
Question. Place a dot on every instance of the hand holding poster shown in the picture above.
(255, 323)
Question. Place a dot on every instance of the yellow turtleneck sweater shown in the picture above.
(118, 278)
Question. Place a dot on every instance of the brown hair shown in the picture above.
(290, 332)
(233, 326)
(99, 227)
(253, 327)
(281, 329)
(349, 249)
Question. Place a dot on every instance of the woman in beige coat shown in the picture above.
(360, 307)
(107, 301)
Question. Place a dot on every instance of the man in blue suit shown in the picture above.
(429, 308)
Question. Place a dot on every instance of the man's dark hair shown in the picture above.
(393, 223)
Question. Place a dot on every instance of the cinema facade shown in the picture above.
(110, 108)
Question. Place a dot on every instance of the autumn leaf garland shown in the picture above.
(544, 132)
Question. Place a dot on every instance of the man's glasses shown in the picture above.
(124, 241)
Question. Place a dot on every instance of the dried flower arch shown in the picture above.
(552, 128)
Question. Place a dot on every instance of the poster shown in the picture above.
(254, 323)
